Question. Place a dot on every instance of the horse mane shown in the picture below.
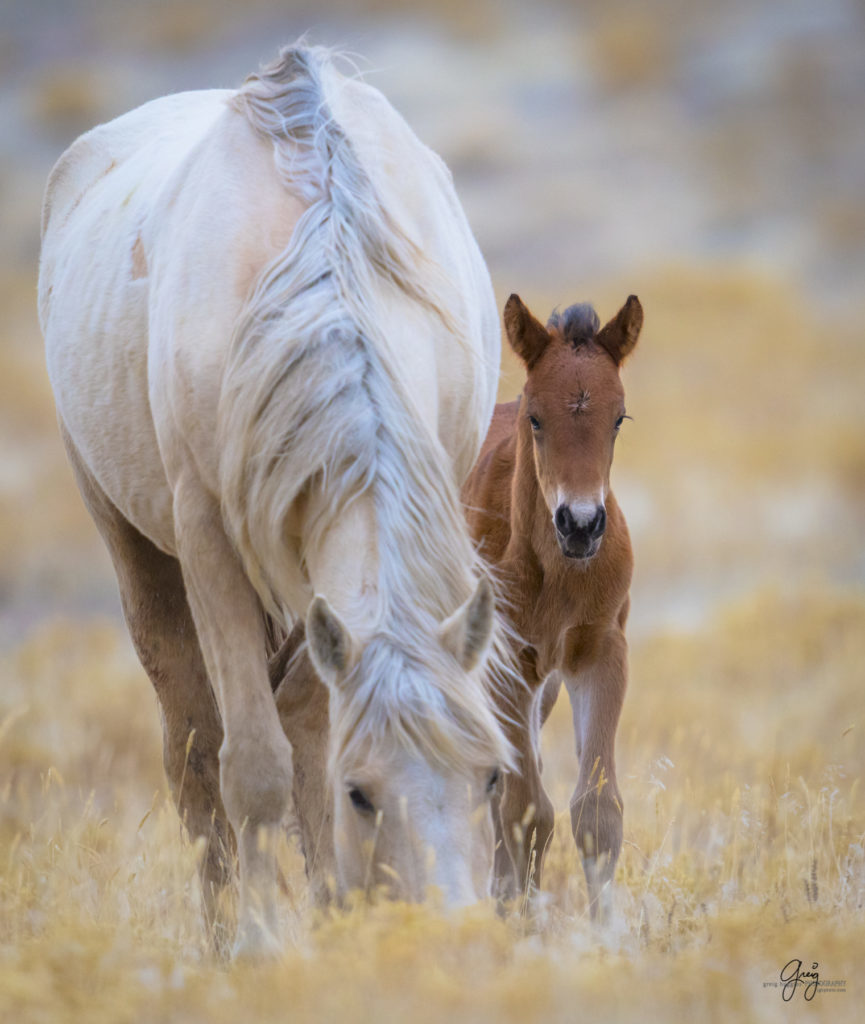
(310, 405)
(578, 325)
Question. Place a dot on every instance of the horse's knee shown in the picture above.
(256, 780)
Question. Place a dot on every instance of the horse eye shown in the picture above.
(493, 780)
(360, 801)
(621, 420)
(535, 422)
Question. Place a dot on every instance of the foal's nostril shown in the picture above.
(564, 520)
(599, 523)
(580, 535)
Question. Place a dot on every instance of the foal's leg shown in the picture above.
(255, 756)
(303, 704)
(597, 691)
(161, 627)
(525, 811)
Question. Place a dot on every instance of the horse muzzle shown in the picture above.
(580, 540)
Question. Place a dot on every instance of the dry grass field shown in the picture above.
(741, 751)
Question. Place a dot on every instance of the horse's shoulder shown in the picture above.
(387, 146)
(376, 107)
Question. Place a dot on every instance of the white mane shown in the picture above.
(310, 405)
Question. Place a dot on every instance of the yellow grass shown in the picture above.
(744, 848)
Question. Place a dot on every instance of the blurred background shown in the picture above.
(708, 157)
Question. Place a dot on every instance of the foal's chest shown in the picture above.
(557, 632)
(551, 625)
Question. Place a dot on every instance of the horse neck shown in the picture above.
(345, 566)
(376, 572)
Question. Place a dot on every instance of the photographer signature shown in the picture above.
(792, 976)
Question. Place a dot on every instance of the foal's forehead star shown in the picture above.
(579, 402)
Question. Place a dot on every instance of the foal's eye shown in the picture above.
(493, 780)
(621, 420)
(535, 422)
(360, 801)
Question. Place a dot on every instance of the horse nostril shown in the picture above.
(564, 520)
(598, 524)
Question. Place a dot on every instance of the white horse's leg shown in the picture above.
(161, 627)
(255, 758)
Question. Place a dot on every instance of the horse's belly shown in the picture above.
(98, 369)
(94, 308)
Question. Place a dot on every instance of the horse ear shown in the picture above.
(528, 337)
(468, 632)
(328, 641)
(619, 336)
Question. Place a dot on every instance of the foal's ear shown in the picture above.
(528, 337)
(468, 632)
(328, 641)
(619, 336)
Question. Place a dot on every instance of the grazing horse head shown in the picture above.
(413, 765)
(573, 406)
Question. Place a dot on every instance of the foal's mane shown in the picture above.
(578, 325)
(310, 404)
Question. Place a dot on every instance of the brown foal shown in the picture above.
(540, 506)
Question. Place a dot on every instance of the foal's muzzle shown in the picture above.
(580, 537)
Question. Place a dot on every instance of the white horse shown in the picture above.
(274, 348)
